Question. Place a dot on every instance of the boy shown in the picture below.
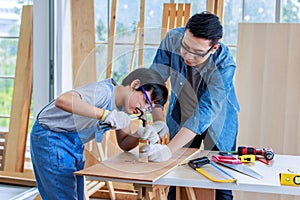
(75, 117)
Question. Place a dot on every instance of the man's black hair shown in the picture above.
(150, 80)
(205, 25)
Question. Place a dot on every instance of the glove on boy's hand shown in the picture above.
(153, 132)
(156, 152)
(117, 119)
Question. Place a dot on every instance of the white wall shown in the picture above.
(62, 51)
(40, 54)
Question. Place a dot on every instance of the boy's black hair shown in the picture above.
(150, 80)
(205, 25)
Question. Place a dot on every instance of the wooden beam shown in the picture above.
(141, 33)
(174, 15)
(18, 178)
(134, 47)
(83, 42)
(16, 139)
(111, 39)
(216, 7)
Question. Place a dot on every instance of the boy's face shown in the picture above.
(138, 99)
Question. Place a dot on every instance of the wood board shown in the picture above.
(268, 90)
(268, 86)
(83, 42)
(125, 166)
(20, 110)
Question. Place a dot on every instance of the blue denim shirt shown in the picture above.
(216, 108)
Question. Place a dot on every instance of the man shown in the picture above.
(203, 103)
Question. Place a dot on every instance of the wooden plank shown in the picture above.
(134, 47)
(141, 33)
(16, 139)
(187, 12)
(216, 7)
(179, 15)
(124, 195)
(19, 178)
(165, 20)
(268, 90)
(270, 104)
(210, 5)
(83, 42)
(172, 16)
(220, 9)
(111, 39)
(126, 166)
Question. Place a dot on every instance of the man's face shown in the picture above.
(195, 50)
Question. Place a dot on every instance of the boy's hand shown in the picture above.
(156, 152)
(117, 119)
(153, 132)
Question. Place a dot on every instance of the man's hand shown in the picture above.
(156, 152)
(117, 119)
(153, 132)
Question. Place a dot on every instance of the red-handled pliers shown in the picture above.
(226, 159)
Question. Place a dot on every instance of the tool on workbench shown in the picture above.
(226, 159)
(262, 159)
(197, 163)
(239, 168)
(247, 158)
(267, 153)
(289, 178)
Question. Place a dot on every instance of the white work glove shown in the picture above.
(156, 152)
(117, 119)
(153, 132)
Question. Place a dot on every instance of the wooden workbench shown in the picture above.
(169, 173)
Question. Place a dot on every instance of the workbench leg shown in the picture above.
(160, 192)
(204, 193)
(188, 193)
(178, 193)
(151, 192)
(111, 190)
(143, 191)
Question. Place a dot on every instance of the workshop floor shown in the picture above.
(16, 192)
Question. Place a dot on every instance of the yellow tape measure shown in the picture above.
(247, 158)
(290, 179)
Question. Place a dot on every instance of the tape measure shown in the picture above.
(247, 158)
(290, 179)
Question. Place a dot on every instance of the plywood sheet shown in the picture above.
(83, 42)
(268, 86)
(268, 89)
(126, 166)
(18, 126)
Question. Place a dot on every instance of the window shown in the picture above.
(128, 12)
(10, 18)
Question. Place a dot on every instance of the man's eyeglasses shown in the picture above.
(196, 54)
(148, 100)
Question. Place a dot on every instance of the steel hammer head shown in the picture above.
(142, 116)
